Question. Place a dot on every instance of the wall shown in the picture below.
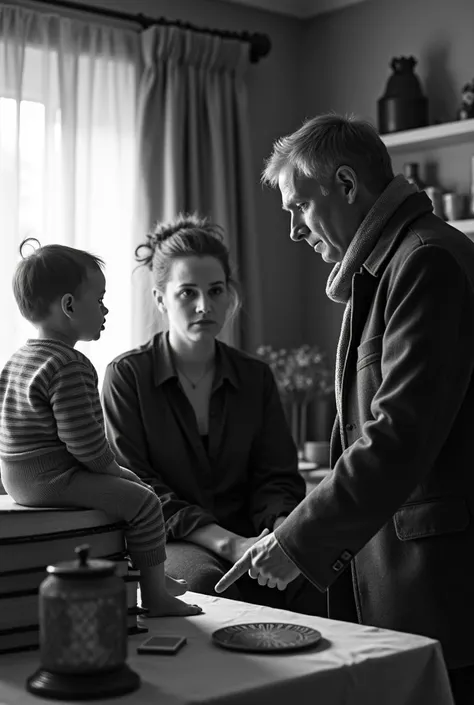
(338, 61)
(273, 104)
(346, 66)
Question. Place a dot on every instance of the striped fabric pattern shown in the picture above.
(145, 534)
(49, 401)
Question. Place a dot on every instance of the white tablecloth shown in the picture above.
(354, 665)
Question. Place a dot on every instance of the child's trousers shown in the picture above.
(131, 502)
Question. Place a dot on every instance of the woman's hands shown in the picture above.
(222, 542)
(239, 545)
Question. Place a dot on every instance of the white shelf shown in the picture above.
(448, 133)
(465, 226)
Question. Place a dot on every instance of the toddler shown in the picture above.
(53, 449)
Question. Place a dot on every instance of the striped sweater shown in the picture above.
(49, 401)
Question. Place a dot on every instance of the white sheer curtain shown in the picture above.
(68, 150)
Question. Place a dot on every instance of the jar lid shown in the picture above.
(83, 567)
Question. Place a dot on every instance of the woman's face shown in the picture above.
(196, 298)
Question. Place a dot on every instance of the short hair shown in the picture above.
(328, 141)
(46, 274)
(187, 235)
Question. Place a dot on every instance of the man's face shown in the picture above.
(320, 214)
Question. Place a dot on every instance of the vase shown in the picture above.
(403, 105)
(471, 190)
(299, 420)
(321, 415)
(317, 452)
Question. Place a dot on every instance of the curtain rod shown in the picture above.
(259, 44)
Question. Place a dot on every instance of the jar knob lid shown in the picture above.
(82, 552)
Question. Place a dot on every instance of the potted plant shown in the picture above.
(301, 374)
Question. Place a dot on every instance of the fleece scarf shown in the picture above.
(339, 284)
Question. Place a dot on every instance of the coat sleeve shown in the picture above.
(426, 365)
(276, 485)
(127, 437)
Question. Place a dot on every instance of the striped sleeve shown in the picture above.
(78, 413)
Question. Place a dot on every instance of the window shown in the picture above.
(68, 149)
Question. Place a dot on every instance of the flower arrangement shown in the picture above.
(301, 374)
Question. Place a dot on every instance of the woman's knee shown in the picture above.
(200, 568)
(203, 581)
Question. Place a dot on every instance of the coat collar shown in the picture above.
(412, 208)
(164, 369)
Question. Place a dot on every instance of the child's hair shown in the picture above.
(46, 274)
(187, 236)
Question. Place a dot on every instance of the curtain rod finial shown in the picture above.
(260, 46)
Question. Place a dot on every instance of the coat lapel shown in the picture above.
(363, 289)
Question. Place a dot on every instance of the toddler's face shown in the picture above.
(89, 309)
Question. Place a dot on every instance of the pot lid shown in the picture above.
(83, 567)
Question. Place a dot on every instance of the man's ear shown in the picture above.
(346, 180)
(159, 301)
(67, 305)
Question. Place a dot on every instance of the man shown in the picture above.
(396, 511)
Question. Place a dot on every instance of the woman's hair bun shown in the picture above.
(163, 231)
(183, 222)
(146, 258)
(144, 252)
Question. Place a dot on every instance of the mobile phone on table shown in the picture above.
(165, 644)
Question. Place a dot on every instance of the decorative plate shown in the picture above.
(266, 636)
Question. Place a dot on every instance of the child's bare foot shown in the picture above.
(175, 586)
(165, 605)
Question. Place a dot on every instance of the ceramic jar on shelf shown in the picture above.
(403, 105)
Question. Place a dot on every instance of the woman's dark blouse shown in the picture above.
(247, 477)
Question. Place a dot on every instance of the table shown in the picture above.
(353, 665)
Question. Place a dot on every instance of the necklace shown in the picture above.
(198, 381)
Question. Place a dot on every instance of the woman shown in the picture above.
(202, 422)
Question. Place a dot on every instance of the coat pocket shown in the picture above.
(369, 351)
(431, 518)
